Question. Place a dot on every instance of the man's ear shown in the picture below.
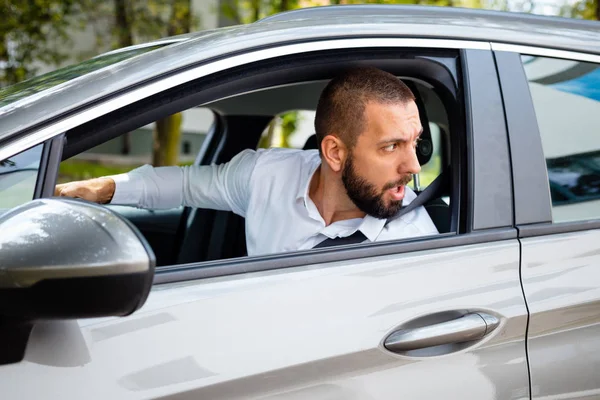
(334, 152)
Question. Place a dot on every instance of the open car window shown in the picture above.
(184, 135)
(270, 115)
(294, 129)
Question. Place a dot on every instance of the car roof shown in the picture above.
(406, 12)
(296, 26)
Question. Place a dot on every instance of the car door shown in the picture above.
(435, 317)
(557, 193)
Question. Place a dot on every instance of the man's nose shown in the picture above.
(411, 164)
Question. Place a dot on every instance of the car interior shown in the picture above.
(245, 104)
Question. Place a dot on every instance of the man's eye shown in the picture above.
(390, 147)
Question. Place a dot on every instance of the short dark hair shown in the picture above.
(342, 104)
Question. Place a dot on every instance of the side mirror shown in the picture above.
(67, 259)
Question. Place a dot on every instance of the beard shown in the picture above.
(366, 196)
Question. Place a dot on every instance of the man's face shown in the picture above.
(383, 158)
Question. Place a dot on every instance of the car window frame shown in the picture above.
(484, 135)
(200, 93)
(533, 202)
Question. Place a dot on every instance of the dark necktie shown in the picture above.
(356, 237)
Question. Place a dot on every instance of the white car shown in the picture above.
(109, 302)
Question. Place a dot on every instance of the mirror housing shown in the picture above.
(68, 258)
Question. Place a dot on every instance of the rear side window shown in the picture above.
(566, 98)
(18, 176)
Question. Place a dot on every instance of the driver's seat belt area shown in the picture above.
(431, 192)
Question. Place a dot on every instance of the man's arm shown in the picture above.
(219, 187)
(98, 190)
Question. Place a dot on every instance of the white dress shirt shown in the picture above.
(269, 188)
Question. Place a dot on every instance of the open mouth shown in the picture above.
(397, 192)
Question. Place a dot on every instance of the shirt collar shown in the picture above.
(371, 227)
(303, 189)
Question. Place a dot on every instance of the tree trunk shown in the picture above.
(9, 77)
(255, 10)
(167, 136)
(125, 38)
(598, 10)
(123, 24)
(167, 133)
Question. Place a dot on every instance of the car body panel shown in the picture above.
(560, 281)
(427, 22)
(310, 332)
(560, 261)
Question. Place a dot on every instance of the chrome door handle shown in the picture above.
(467, 328)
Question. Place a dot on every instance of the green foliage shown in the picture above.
(443, 3)
(76, 170)
(29, 32)
(586, 9)
(289, 123)
(279, 131)
(143, 21)
(247, 11)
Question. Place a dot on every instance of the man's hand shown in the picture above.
(97, 190)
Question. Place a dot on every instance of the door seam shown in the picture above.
(528, 317)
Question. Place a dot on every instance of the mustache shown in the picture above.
(401, 182)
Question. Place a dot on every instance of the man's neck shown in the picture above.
(328, 193)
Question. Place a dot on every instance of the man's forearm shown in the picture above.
(97, 190)
(144, 187)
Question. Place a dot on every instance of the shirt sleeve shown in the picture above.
(219, 187)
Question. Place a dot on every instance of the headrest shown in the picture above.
(311, 142)
(425, 146)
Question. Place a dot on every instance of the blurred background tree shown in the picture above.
(28, 33)
(167, 134)
(586, 9)
(248, 11)
(138, 21)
